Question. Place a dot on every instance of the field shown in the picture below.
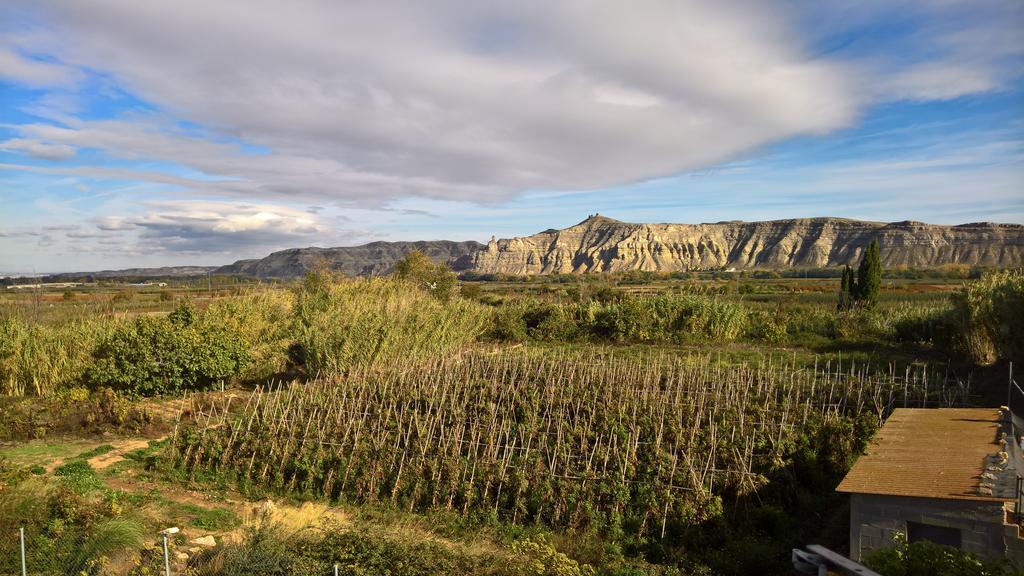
(632, 424)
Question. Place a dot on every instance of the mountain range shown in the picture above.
(602, 244)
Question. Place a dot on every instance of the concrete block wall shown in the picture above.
(875, 520)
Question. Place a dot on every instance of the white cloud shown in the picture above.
(32, 72)
(382, 100)
(203, 226)
(38, 149)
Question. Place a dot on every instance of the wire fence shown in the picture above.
(55, 551)
(101, 552)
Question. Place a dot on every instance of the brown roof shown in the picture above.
(929, 453)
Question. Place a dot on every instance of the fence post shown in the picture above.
(167, 559)
(24, 569)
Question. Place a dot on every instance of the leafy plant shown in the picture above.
(160, 355)
(924, 558)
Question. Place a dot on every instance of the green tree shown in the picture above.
(185, 350)
(869, 277)
(435, 278)
(846, 288)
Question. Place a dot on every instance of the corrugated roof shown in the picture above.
(928, 453)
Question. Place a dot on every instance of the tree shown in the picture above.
(433, 277)
(869, 277)
(846, 288)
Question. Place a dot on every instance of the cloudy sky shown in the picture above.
(196, 132)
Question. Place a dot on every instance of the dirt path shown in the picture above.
(116, 455)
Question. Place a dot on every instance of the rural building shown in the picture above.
(948, 475)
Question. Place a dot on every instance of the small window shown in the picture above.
(937, 534)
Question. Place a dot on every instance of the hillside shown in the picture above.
(601, 244)
(366, 260)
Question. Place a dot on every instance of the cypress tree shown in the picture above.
(846, 287)
(869, 277)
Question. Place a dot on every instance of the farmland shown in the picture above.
(630, 424)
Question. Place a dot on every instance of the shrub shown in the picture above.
(767, 326)
(160, 355)
(124, 296)
(924, 558)
(550, 322)
(507, 323)
(437, 279)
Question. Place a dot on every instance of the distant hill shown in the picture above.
(601, 244)
(130, 273)
(369, 259)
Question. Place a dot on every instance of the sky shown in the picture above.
(193, 132)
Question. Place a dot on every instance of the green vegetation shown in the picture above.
(655, 456)
(185, 350)
(862, 289)
(634, 424)
(341, 324)
(433, 277)
(924, 558)
(217, 519)
(869, 277)
(989, 316)
(269, 550)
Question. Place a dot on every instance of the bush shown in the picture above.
(160, 355)
(507, 324)
(124, 296)
(436, 279)
(923, 558)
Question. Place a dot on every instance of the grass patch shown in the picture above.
(42, 453)
(79, 476)
(97, 451)
(213, 519)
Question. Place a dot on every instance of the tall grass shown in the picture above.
(38, 360)
(261, 319)
(341, 323)
(990, 315)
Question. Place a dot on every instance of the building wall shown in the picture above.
(875, 519)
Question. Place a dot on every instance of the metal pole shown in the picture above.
(167, 559)
(24, 570)
(1009, 392)
(335, 570)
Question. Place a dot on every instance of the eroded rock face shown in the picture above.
(601, 244)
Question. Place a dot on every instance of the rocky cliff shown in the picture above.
(601, 244)
(369, 259)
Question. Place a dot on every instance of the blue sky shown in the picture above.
(148, 134)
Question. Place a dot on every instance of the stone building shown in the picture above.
(948, 475)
